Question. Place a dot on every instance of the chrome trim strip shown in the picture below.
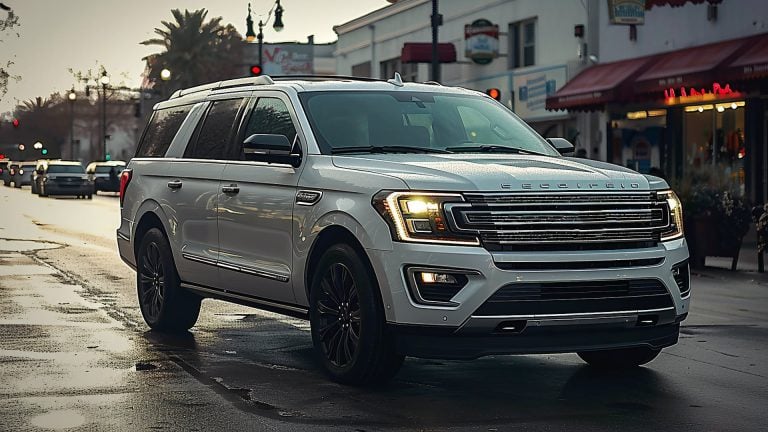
(253, 271)
(572, 315)
(235, 267)
(122, 236)
(198, 258)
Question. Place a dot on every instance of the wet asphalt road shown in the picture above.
(74, 353)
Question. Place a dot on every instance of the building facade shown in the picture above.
(527, 57)
(683, 94)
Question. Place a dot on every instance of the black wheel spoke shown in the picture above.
(327, 310)
(326, 286)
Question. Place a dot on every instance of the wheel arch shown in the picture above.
(330, 235)
(151, 216)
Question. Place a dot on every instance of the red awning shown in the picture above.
(597, 85)
(753, 63)
(676, 3)
(421, 52)
(690, 67)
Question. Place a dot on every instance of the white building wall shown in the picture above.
(380, 35)
(668, 29)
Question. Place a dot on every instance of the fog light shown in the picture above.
(440, 278)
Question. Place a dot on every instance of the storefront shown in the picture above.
(685, 115)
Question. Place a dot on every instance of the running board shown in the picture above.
(251, 301)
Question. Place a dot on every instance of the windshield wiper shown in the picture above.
(488, 148)
(387, 149)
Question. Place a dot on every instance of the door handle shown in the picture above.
(231, 189)
(175, 184)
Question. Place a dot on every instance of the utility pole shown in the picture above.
(437, 20)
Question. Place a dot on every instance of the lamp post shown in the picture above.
(278, 25)
(72, 96)
(104, 80)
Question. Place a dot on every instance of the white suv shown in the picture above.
(400, 219)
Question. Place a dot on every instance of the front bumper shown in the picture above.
(54, 188)
(463, 332)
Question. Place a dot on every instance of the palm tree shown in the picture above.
(195, 51)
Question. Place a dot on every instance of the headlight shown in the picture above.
(419, 217)
(675, 230)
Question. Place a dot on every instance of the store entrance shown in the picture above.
(713, 149)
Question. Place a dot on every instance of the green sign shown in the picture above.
(626, 12)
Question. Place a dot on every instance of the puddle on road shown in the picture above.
(9, 245)
(60, 419)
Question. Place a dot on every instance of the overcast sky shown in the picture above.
(56, 35)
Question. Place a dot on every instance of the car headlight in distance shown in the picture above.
(419, 217)
(675, 230)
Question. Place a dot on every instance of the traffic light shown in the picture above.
(494, 93)
(44, 151)
(22, 147)
(256, 70)
(109, 157)
(15, 122)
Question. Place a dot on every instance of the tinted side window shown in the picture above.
(161, 130)
(270, 116)
(216, 131)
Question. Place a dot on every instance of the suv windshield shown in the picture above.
(66, 169)
(393, 121)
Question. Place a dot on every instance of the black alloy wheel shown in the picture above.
(164, 305)
(151, 282)
(350, 335)
(339, 311)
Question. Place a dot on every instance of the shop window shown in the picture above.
(637, 141)
(714, 143)
(522, 44)
(362, 70)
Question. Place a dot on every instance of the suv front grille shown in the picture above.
(576, 297)
(562, 221)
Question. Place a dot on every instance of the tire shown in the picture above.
(619, 358)
(164, 305)
(90, 196)
(349, 332)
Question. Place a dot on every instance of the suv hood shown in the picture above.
(499, 172)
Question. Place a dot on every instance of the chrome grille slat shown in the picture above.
(567, 220)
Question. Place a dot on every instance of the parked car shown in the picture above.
(401, 219)
(37, 178)
(59, 177)
(5, 172)
(22, 175)
(105, 175)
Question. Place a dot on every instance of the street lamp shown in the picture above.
(278, 25)
(72, 96)
(104, 80)
(165, 74)
(38, 145)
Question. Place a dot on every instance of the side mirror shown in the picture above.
(562, 145)
(271, 149)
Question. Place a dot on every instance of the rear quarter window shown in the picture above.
(160, 131)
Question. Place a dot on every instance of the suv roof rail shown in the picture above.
(435, 83)
(324, 78)
(237, 82)
(266, 80)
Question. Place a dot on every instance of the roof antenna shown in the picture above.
(397, 80)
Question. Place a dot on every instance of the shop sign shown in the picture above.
(288, 59)
(481, 41)
(532, 89)
(627, 12)
(682, 95)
